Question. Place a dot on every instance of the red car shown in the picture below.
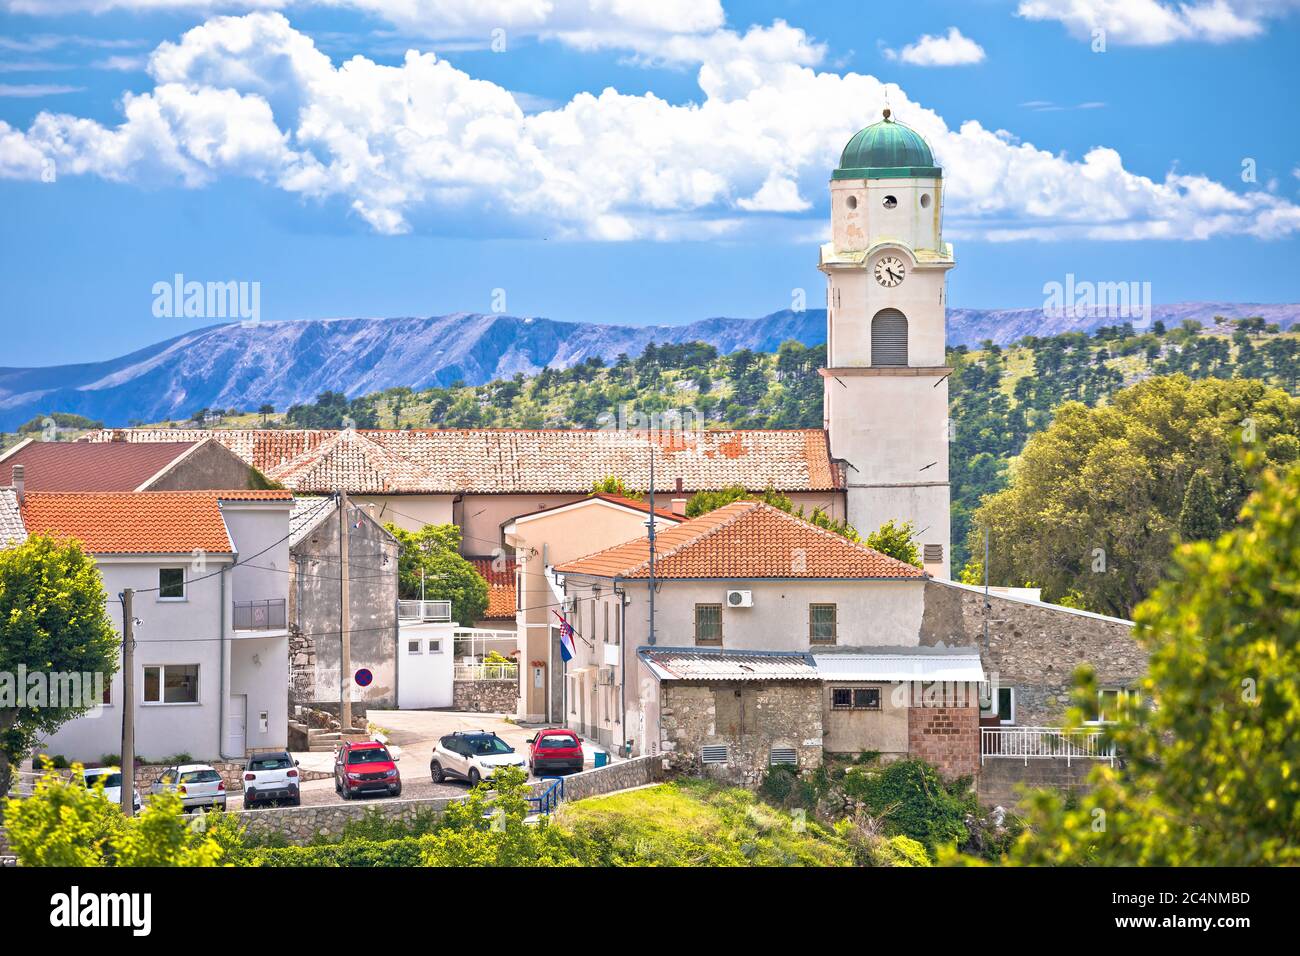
(554, 749)
(365, 767)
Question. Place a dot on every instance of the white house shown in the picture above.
(210, 575)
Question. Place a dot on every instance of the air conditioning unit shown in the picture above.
(740, 599)
(605, 676)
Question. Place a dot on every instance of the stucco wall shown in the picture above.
(210, 466)
(1033, 648)
(373, 613)
(856, 731)
(411, 512)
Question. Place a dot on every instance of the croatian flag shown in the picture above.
(566, 638)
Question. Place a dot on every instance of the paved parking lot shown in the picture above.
(414, 733)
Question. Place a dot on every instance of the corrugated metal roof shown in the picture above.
(900, 667)
(677, 663)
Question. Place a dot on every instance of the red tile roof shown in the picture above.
(82, 466)
(144, 522)
(500, 576)
(505, 461)
(745, 539)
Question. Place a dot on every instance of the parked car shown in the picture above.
(198, 785)
(553, 750)
(365, 767)
(111, 778)
(270, 777)
(472, 755)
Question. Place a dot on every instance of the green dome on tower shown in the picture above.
(886, 150)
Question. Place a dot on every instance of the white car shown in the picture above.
(473, 755)
(271, 777)
(198, 785)
(111, 778)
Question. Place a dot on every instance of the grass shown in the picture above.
(695, 823)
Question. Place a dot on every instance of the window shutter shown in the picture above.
(889, 338)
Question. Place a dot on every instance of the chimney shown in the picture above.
(19, 481)
(679, 486)
(679, 506)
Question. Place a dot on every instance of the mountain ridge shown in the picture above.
(283, 363)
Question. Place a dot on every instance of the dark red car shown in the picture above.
(553, 750)
(365, 767)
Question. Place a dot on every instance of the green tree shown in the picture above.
(435, 550)
(52, 621)
(1199, 518)
(613, 485)
(897, 541)
(65, 824)
(1095, 499)
(1209, 775)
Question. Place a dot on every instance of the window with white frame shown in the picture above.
(414, 647)
(435, 645)
(171, 584)
(1109, 702)
(999, 702)
(171, 683)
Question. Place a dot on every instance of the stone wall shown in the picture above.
(749, 718)
(637, 772)
(1032, 648)
(300, 824)
(948, 738)
(999, 777)
(485, 696)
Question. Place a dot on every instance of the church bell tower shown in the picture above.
(886, 380)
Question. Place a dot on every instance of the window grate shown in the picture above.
(933, 553)
(713, 753)
(783, 757)
(889, 338)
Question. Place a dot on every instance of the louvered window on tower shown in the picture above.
(933, 553)
(889, 338)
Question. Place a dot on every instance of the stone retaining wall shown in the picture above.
(485, 696)
(299, 825)
(637, 772)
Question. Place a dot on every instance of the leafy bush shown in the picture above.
(406, 851)
(912, 800)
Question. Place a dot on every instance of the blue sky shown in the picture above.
(695, 187)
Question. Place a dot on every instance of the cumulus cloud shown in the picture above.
(423, 145)
(1157, 22)
(949, 49)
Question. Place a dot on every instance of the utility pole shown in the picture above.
(652, 543)
(128, 702)
(345, 622)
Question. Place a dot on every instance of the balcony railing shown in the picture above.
(487, 672)
(424, 610)
(259, 615)
(1041, 743)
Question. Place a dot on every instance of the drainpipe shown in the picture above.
(622, 664)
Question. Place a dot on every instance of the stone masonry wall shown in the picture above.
(749, 718)
(485, 696)
(1000, 777)
(1032, 648)
(948, 738)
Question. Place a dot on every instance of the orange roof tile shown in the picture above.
(745, 539)
(500, 576)
(143, 522)
(513, 461)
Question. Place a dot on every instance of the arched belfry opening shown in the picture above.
(889, 338)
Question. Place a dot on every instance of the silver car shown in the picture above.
(111, 778)
(198, 784)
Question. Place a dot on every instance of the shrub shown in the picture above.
(913, 801)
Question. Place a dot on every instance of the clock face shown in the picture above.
(889, 271)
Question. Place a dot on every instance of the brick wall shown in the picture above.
(485, 696)
(749, 718)
(946, 737)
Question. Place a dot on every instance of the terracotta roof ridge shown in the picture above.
(705, 534)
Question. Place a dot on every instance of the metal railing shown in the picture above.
(549, 797)
(424, 610)
(1040, 743)
(259, 615)
(465, 671)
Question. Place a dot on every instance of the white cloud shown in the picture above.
(32, 90)
(1157, 22)
(423, 145)
(950, 49)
